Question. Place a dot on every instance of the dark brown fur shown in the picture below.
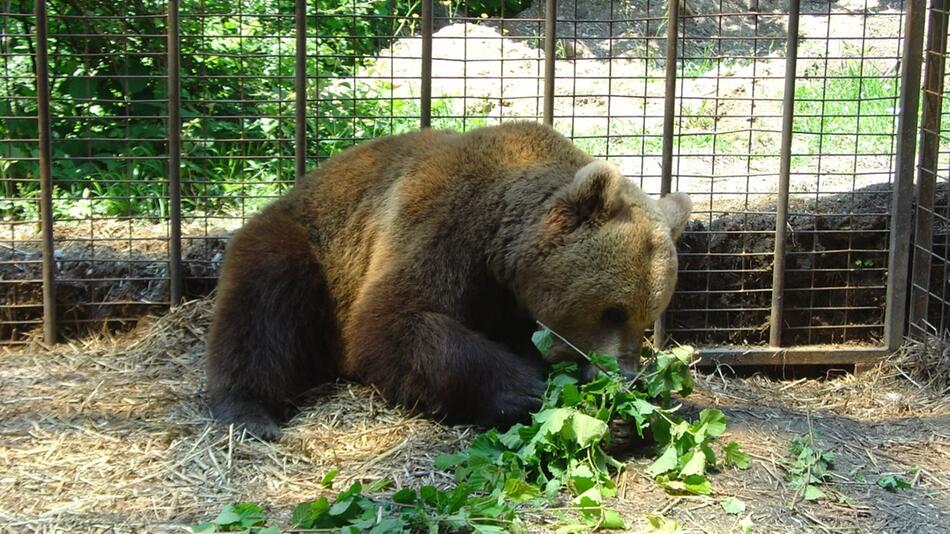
(409, 263)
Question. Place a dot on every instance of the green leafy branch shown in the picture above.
(808, 467)
(562, 450)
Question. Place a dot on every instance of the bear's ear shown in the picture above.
(593, 195)
(676, 208)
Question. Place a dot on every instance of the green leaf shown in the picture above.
(405, 496)
(586, 430)
(542, 339)
(680, 429)
(698, 485)
(893, 483)
(612, 520)
(589, 504)
(327, 480)
(512, 439)
(660, 525)
(582, 478)
(665, 463)
(268, 530)
(552, 420)
(591, 497)
(734, 455)
(605, 361)
(228, 516)
(448, 461)
(519, 491)
(307, 514)
(714, 420)
(429, 494)
(391, 525)
(570, 395)
(696, 465)
(241, 514)
(343, 508)
(812, 493)
(203, 527)
(733, 506)
(684, 353)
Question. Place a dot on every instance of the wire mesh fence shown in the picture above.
(930, 307)
(690, 96)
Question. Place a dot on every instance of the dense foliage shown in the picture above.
(564, 451)
(108, 87)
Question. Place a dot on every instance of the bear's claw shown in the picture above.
(249, 417)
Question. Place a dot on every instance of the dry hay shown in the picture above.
(116, 432)
(113, 435)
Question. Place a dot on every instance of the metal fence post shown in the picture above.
(300, 90)
(895, 312)
(550, 39)
(669, 108)
(784, 176)
(174, 152)
(425, 94)
(46, 173)
(929, 159)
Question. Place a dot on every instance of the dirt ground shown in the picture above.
(113, 435)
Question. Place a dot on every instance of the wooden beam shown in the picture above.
(791, 356)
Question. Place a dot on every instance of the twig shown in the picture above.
(583, 354)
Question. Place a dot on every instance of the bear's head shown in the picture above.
(603, 265)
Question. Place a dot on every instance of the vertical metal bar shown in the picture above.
(929, 151)
(300, 90)
(174, 153)
(901, 204)
(425, 112)
(784, 176)
(46, 173)
(669, 98)
(669, 107)
(550, 39)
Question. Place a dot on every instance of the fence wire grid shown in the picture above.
(821, 220)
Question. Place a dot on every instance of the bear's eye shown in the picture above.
(614, 316)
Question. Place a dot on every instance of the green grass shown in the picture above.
(851, 111)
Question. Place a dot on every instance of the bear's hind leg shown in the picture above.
(273, 327)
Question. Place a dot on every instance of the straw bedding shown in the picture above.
(113, 435)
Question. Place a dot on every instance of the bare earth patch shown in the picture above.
(114, 435)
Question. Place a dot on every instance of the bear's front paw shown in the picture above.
(247, 417)
(516, 404)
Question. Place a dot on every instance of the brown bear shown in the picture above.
(420, 263)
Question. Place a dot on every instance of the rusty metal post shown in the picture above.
(174, 152)
(46, 173)
(300, 90)
(669, 108)
(425, 112)
(901, 204)
(927, 164)
(669, 98)
(784, 176)
(550, 40)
